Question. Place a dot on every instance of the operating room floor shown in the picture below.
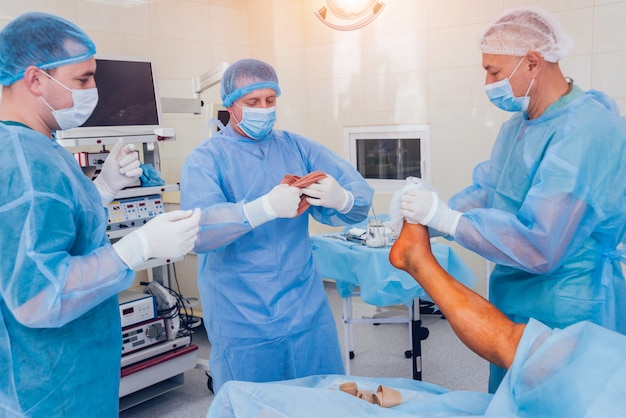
(379, 352)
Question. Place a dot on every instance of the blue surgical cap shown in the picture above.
(43, 40)
(245, 76)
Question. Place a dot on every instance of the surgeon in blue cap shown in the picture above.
(549, 206)
(60, 330)
(264, 305)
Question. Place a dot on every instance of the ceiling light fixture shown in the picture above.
(349, 14)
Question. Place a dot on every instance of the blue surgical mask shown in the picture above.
(85, 101)
(257, 122)
(501, 94)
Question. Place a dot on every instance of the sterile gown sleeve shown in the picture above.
(551, 184)
(56, 260)
(224, 173)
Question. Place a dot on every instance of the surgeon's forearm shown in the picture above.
(529, 245)
(87, 281)
(220, 225)
(478, 323)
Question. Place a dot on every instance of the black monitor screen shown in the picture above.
(388, 159)
(126, 94)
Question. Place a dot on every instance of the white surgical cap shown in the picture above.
(521, 30)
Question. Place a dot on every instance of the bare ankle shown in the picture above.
(411, 248)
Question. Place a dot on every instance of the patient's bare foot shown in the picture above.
(411, 248)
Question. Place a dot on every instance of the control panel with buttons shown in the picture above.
(134, 212)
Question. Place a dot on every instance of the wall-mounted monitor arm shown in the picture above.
(199, 84)
(209, 79)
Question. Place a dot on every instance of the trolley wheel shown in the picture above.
(424, 333)
(351, 355)
(408, 353)
(209, 382)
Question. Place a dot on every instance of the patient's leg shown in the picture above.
(478, 323)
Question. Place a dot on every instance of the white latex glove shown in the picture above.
(281, 202)
(420, 183)
(396, 220)
(121, 169)
(169, 235)
(329, 194)
(420, 206)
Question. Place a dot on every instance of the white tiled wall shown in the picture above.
(415, 63)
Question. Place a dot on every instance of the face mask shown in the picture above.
(257, 122)
(85, 102)
(501, 94)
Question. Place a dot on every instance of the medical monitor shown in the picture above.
(128, 103)
(386, 155)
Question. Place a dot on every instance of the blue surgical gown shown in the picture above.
(264, 305)
(60, 339)
(549, 208)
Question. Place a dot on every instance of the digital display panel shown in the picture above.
(126, 94)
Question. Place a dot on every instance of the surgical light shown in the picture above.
(348, 15)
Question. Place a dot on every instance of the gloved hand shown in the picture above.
(420, 206)
(120, 169)
(169, 235)
(281, 202)
(329, 194)
(420, 183)
(396, 219)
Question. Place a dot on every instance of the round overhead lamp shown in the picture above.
(349, 14)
